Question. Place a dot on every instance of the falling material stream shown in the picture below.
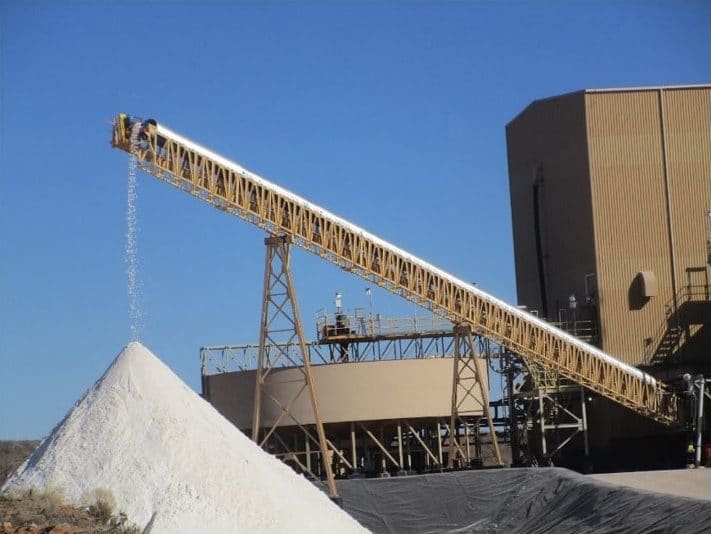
(135, 315)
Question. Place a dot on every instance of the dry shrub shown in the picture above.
(47, 499)
(31, 505)
(101, 504)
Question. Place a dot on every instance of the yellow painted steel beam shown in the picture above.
(231, 188)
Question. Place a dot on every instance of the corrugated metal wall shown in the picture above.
(626, 179)
(688, 130)
(636, 225)
(548, 141)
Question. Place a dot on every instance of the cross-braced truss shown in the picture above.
(468, 390)
(556, 413)
(282, 329)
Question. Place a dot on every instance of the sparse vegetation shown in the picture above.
(44, 509)
(47, 507)
(101, 505)
(49, 499)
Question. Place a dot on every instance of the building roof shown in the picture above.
(611, 90)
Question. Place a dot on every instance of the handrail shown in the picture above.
(653, 351)
(329, 325)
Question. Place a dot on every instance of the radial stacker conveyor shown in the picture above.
(231, 188)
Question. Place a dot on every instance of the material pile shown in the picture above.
(163, 451)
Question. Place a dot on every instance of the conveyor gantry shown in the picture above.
(235, 190)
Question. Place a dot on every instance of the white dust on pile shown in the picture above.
(142, 433)
(134, 294)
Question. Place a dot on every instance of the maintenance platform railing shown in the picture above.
(218, 359)
(361, 325)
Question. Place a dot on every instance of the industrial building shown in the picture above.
(611, 209)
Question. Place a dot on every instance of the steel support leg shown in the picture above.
(467, 380)
(280, 318)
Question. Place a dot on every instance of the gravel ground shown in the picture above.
(695, 483)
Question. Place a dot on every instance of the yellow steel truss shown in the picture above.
(195, 170)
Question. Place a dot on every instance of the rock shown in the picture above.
(28, 529)
(7, 528)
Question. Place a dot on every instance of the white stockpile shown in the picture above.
(140, 432)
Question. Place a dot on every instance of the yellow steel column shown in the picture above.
(278, 290)
(467, 360)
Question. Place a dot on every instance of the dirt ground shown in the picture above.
(12, 454)
(695, 483)
(46, 512)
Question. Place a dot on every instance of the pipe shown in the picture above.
(700, 383)
(668, 206)
(539, 248)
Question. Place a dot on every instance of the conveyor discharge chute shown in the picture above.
(235, 190)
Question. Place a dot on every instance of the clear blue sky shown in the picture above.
(390, 114)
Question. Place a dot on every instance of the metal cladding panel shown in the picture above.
(363, 391)
(547, 141)
(627, 169)
(688, 132)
